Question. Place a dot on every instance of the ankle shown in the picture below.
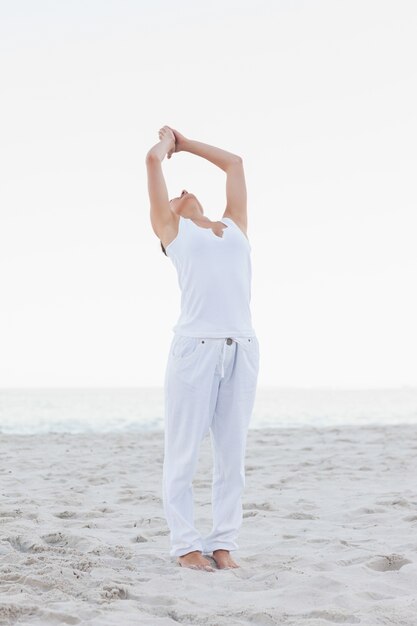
(188, 553)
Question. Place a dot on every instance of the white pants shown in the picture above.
(210, 386)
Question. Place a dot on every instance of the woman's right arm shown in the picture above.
(160, 212)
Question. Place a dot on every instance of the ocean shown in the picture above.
(142, 409)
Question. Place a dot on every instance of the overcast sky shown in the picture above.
(320, 100)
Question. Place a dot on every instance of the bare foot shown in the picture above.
(223, 559)
(195, 560)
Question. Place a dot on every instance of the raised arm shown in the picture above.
(232, 164)
(217, 156)
(160, 212)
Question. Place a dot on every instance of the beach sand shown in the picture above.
(329, 534)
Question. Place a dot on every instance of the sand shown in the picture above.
(329, 533)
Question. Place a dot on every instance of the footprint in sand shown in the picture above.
(23, 543)
(333, 616)
(10, 612)
(388, 562)
(114, 592)
(66, 514)
(258, 506)
(56, 539)
(395, 502)
(140, 539)
(300, 515)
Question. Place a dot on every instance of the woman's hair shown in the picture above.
(163, 249)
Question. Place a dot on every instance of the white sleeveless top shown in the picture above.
(214, 275)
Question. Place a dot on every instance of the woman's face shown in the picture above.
(185, 204)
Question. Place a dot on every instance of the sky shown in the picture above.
(320, 100)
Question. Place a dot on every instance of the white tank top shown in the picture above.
(214, 275)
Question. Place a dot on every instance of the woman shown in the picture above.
(213, 363)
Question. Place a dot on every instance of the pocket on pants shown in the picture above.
(251, 345)
(253, 361)
(183, 348)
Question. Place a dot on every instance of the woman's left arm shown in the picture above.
(217, 156)
(232, 164)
